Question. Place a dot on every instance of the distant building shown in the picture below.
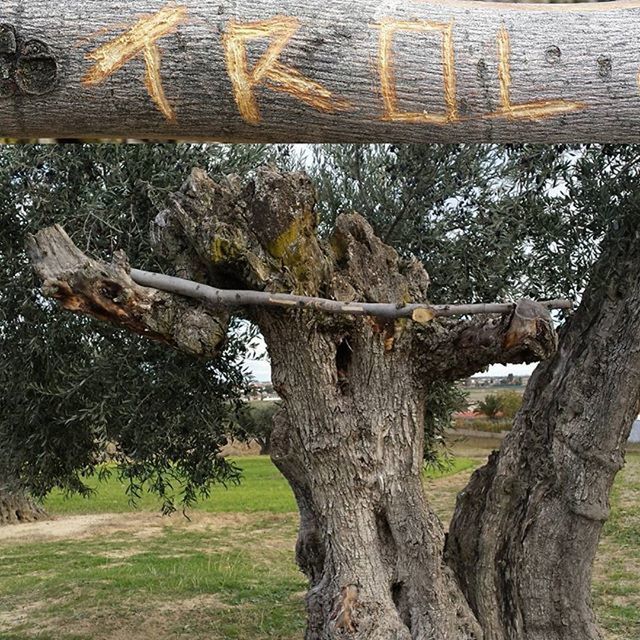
(495, 381)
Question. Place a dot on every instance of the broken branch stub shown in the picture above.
(157, 306)
(108, 293)
(457, 349)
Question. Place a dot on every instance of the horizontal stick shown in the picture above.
(345, 71)
(230, 297)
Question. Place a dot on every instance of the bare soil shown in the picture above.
(142, 524)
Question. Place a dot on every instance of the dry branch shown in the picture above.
(230, 298)
(111, 292)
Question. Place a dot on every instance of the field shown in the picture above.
(100, 571)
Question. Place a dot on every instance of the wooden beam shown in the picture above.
(344, 70)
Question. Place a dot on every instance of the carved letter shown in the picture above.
(141, 38)
(527, 110)
(388, 28)
(268, 69)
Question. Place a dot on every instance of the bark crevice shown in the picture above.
(16, 507)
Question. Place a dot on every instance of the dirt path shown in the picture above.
(141, 524)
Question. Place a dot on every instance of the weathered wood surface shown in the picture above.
(299, 70)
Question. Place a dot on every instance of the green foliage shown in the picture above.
(489, 222)
(505, 403)
(490, 406)
(443, 400)
(510, 403)
(74, 385)
(255, 422)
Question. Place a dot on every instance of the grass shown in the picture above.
(616, 587)
(263, 488)
(484, 424)
(214, 582)
(229, 573)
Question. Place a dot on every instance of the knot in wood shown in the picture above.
(27, 67)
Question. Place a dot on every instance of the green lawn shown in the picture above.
(263, 488)
(214, 582)
(616, 585)
(229, 572)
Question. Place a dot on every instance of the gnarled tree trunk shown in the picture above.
(369, 543)
(17, 507)
(525, 531)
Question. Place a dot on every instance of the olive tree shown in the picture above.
(74, 388)
(354, 387)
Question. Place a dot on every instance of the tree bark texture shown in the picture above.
(526, 528)
(17, 507)
(349, 435)
(108, 293)
(348, 70)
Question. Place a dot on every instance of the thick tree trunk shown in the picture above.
(525, 530)
(356, 70)
(17, 507)
(350, 444)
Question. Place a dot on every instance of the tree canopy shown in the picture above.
(74, 386)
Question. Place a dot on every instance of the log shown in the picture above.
(343, 71)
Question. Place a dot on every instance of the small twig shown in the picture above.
(231, 297)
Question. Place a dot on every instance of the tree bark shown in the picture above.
(349, 435)
(359, 70)
(526, 528)
(369, 543)
(17, 507)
